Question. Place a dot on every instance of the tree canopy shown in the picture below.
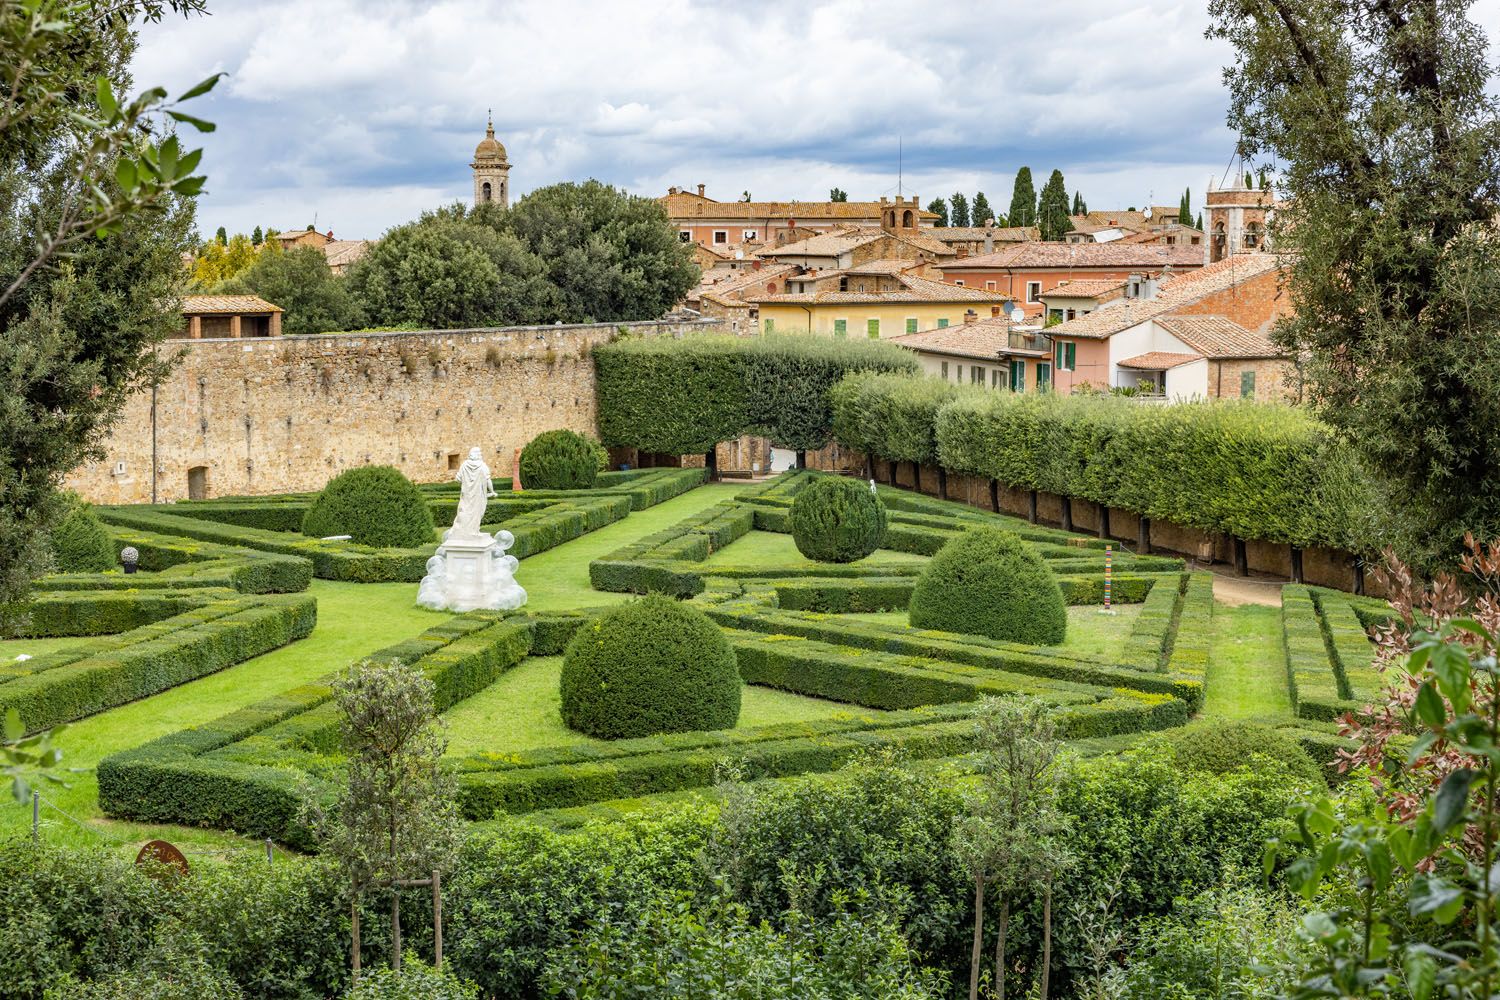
(958, 209)
(1052, 209)
(939, 207)
(1023, 200)
(982, 211)
(300, 282)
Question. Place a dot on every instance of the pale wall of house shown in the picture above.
(1188, 382)
(268, 416)
(787, 318)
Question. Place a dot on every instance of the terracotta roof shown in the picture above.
(203, 305)
(1078, 255)
(985, 339)
(976, 234)
(731, 286)
(342, 253)
(1219, 337)
(1159, 361)
(823, 244)
(684, 204)
(1188, 286)
(1119, 219)
(1087, 288)
(914, 289)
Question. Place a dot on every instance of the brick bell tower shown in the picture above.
(491, 170)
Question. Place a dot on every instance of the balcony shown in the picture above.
(1030, 343)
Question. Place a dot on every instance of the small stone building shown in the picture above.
(217, 317)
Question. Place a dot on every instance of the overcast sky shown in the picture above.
(362, 113)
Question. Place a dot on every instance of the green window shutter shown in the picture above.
(1043, 377)
(1018, 376)
(770, 325)
(1072, 356)
(945, 371)
(1057, 353)
(872, 327)
(943, 323)
(840, 327)
(911, 324)
(1247, 385)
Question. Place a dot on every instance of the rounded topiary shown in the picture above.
(561, 460)
(837, 520)
(373, 505)
(990, 582)
(1220, 747)
(651, 666)
(79, 542)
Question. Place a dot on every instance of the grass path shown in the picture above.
(1089, 632)
(769, 548)
(1247, 666)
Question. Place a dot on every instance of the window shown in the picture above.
(872, 328)
(1054, 316)
(1043, 376)
(1066, 356)
(486, 190)
(749, 234)
(945, 371)
(1033, 291)
(1018, 376)
(841, 328)
(976, 374)
(942, 323)
(1247, 385)
(1072, 314)
(959, 282)
(770, 326)
(911, 324)
(721, 236)
(995, 378)
(684, 235)
(989, 286)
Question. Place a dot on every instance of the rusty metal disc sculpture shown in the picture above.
(160, 856)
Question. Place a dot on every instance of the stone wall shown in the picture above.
(289, 413)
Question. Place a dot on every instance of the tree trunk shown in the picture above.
(395, 929)
(916, 476)
(978, 939)
(801, 458)
(995, 495)
(1359, 577)
(890, 470)
(1046, 938)
(1031, 506)
(1241, 559)
(354, 929)
(999, 984)
(942, 483)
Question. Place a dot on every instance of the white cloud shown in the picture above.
(366, 111)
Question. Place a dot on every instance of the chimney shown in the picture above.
(700, 190)
(672, 190)
(970, 316)
(989, 241)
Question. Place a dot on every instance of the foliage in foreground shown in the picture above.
(415, 981)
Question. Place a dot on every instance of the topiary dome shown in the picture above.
(374, 505)
(654, 665)
(837, 520)
(990, 582)
(561, 460)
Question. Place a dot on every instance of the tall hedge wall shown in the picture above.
(683, 397)
(1253, 470)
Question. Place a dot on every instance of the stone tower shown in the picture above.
(1237, 220)
(491, 170)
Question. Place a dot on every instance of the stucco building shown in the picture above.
(1022, 273)
(701, 219)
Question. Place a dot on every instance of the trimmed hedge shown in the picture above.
(685, 396)
(1328, 653)
(375, 505)
(561, 460)
(989, 582)
(80, 543)
(837, 520)
(650, 666)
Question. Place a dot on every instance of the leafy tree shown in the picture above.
(838, 194)
(397, 813)
(1394, 266)
(609, 255)
(257, 237)
(1023, 200)
(221, 237)
(219, 261)
(1185, 210)
(452, 269)
(982, 213)
(939, 207)
(958, 209)
(299, 281)
(1052, 210)
(95, 213)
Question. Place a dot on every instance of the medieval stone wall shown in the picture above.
(289, 413)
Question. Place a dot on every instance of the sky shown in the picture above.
(360, 114)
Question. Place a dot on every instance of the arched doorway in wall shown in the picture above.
(197, 482)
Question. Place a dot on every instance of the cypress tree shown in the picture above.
(939, 207)
(982, 212)
(1185, 212)
(1052, 211)
(1199, 224)
(222, 236)
(1023, 200)
(959, 209)
(257, 237)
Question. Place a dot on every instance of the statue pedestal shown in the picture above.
(472, 573)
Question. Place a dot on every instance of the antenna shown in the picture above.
(900, 151)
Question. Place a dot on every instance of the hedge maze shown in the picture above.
(902, 688)
(1328, 654)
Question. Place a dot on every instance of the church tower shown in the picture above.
(491, 170)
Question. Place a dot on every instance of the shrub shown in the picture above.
(415, 981)
(837, 520)
(650, 666)
(990, 582)
(79, 542)
(374, 505)
(561, 460)
(1220, 747)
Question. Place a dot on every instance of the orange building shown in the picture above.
(701, 219)
(1023, 273)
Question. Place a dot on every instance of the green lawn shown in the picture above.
(769, 548)
(11, 648)
(520, 711)
(1247, 665)
(1089, 632)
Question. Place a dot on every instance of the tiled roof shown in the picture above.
(976, 234)
(823, 244)
(914, 289)
(1119, 219)
(1219, 337)
(1088, 288)
(1159, 361)
(342, 253)
(1078, 255)
(1188, 286)
(684, 205)
(986, 339)
(731, 286)
(203, 305)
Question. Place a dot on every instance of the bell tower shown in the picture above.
(491, 170)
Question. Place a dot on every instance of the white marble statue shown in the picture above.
(471, 569)
(475, 488)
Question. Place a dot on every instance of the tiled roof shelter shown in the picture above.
(229, 316)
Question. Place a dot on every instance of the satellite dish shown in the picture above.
(1147, 212)
(1017, 314)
